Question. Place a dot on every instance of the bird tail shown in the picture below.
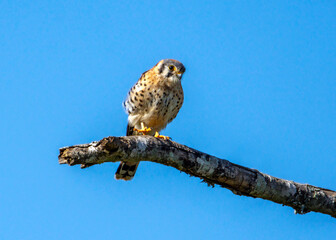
(129, 130)
(126, 170)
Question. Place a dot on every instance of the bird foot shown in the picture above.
(157, 135)
(143, 130)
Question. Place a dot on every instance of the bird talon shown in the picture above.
(157, 135)
(144, 130)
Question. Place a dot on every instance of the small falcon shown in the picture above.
(151, 104)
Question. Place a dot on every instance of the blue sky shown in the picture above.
(259, 90)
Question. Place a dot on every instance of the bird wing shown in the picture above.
(138, 97)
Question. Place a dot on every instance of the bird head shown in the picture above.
(170, 69)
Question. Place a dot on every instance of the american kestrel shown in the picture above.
(151, 104)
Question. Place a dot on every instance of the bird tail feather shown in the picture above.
(126, 170)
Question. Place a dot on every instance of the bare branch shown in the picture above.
(240, 180)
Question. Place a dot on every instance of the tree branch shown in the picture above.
(240, 180)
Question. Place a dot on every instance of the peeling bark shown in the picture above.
(303, 198)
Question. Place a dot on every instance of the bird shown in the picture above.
(152, 103)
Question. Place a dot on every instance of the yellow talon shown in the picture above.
(161, 136)
(143, 129)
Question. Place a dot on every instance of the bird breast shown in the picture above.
(162, 106)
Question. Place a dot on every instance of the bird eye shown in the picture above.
(171, 67)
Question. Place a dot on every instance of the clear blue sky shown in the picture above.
(260, 90)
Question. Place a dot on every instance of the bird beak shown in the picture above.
(179, 73)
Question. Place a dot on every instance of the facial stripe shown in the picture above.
(169, 74)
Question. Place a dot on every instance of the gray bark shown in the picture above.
(303, 198)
